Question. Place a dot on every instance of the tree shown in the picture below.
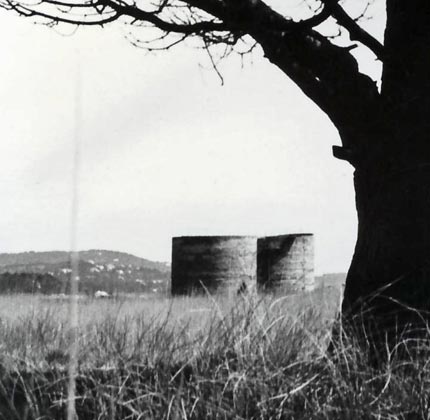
(383, 131)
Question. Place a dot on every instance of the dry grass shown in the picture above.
(198, 358)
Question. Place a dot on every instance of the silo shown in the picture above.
(285, 264)
(218, 264)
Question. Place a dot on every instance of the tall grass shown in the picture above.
(198, 358)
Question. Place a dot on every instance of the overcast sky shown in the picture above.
(165, 149)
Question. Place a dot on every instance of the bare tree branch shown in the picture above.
(356, 32)
(327, 73)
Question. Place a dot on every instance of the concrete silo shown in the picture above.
(221, 264)
(285, 264)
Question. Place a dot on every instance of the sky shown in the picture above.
(165, 149)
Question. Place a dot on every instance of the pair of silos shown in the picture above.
(230, 264)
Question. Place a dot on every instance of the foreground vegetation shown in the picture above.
(197, 358)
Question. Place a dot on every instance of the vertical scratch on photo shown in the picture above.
(74, 254)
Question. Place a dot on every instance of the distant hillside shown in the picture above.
(114, 272)
(98, 256)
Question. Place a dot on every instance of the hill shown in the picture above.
(114, 272)
(98, 256)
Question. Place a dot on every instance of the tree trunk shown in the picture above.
(388, 284)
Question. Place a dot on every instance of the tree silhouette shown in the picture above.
(383, 130)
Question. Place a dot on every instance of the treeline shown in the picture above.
(45, 283)
(30, 283)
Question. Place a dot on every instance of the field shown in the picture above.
(197, 358)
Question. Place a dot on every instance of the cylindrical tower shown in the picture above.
(221, 264)
(285, 264)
